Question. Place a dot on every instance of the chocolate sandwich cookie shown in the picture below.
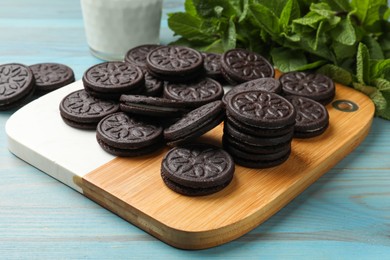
(229, 130)
(251, 148)
(152, 106)
(153, 86)
(240, 65)
(175, 63)
(16, 84)
(123, 135)
(265, 84)
(212, 65)
(195, 123)
(312, 118)
(109, 80)
(137, 55)
(51, 76)
(197, 169)
(81, 110)
(311, 85)
(261, 109)
(195, 93)
(258, 131)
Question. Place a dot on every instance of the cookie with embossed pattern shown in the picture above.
(195, 93)
(111, 79)
(51, 76)
(16, 84)
(240, 65)
(311, 85)
(137, 55)
(212, 65)
(175, 63)
(194, 124)
(81, 110)
(153, 86)
(124, 135)
(312, 118)
(197, 169)
(152, 106)
(261, 109)
(265, 84)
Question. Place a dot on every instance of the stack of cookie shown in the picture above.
(259, 128)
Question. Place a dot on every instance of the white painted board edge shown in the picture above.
(37, 134)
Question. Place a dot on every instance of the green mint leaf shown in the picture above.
(265, 19)
(285, 16)
(337, 74)
(230, 37)
(311, 66)
(376, 96)
(276, 6)
(311, 20)
(322, 9)
(206, 8)
(368, 11)
(385, 113)
(287, 60)
(189, 27)
(245, 10)
(215, 47)
(363, 64)
(339, 5)
(382, 84)
(380, 69)
(343, 52)
(374, 48)
(344, 32)
(190, 8)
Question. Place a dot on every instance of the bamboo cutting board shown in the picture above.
(133, 189)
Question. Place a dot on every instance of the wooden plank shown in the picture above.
(133, 189)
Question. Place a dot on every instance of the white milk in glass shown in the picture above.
(113, 27)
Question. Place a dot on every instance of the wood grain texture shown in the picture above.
(133, 188)
(345, 214)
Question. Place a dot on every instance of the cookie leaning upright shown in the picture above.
(109, 80)
(175, 63)
(16, 84)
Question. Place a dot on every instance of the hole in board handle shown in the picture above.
(345, 105)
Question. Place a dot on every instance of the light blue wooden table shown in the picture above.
(345, 214)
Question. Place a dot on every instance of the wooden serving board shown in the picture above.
(133, 188)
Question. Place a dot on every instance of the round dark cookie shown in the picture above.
(153, 86)
(310, 116)
(51, 76)
(137, 55)
(195, 93)
(16, 84)
(194, 120)
(130, 152)
(240, 65)
(258, 131)
(193, 192)
(259, 164)
(113, 78)
(250, 148)
(264, 157)
(198, 166)
(265, 84)
(174, 61)
(114, 95)
(256, 140)
(311, 85)
(261, 109)
(81, 110)
(212, 65)
(119, 130)
(152, 106)
(310, 133)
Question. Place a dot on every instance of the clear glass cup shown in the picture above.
(113, 27)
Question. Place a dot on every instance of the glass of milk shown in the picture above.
(113, 27)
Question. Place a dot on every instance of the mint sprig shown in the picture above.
(346, 40)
